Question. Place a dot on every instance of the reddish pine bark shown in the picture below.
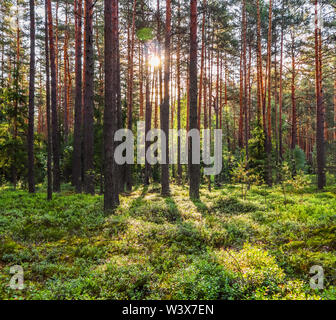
(320, 139)
(269, 53)
(202, 66)
(178, 65)
(128, 168)
(54, 109)
(30, 140)
(66, 79)
(269, 110)
(241, 93)
(194, 169)
(245, 99)
(148, 118)
(77, 153)
(111, 36)
(281, 93)
(49, 134)
(141, 115)
(259, 65)
(293, 97)
(164, 110)
(88, 100)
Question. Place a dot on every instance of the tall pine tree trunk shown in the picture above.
(88, 101)
(128, 173)
(245, 98)
(111, 190)
(66, 79)
(259, 66)
(269, 106)
(320, 139)
(164, 110)
(293, 96)
(77, 153)
(194, 169)
(202, 66)
(148, 117)
(281, 90)
(49, 134)
(54, 109)
(31, 178)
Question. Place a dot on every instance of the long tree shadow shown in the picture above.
(201, 206)
(139, 200)
(173, 212)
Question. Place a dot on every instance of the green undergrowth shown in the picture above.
(220, 247)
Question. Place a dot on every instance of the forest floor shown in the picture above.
(221, 247)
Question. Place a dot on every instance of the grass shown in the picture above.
(221, 247)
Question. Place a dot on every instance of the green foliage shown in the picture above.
(257, 154)
(145, 34)
(220, 247)
(296, 159)
(204, 279)
(246, 177)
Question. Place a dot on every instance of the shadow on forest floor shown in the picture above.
(201, 206)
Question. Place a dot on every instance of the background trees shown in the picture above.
(260, 64)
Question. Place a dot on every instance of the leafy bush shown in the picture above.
(204, 280)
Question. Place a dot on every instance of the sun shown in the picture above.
(154, 61)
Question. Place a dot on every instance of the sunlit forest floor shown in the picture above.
(222, 247)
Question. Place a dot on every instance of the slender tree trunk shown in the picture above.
(120, 174)
(49, 134)
(111, 190)
(269, 106)
(2, 61)
(178, 63)
(226, 106)
(66, 79)
(16, 102)
(269, 63)
(294, 115)
(250, 82)
(148, 118)
(281, 90)
(141, 99)
(259, 65)
(276, 100)
(321, 85)
(128, 173)
(205, 105)
(57, 66)
(245, 100)
(88, 101)
(156, 102)
(202, 66)
(320, 139)
(159, 47)
(241, 93)
(77, 153)
(31, 178)
(164, 110)
(335, 109)
(194, 169)
(55, 131)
